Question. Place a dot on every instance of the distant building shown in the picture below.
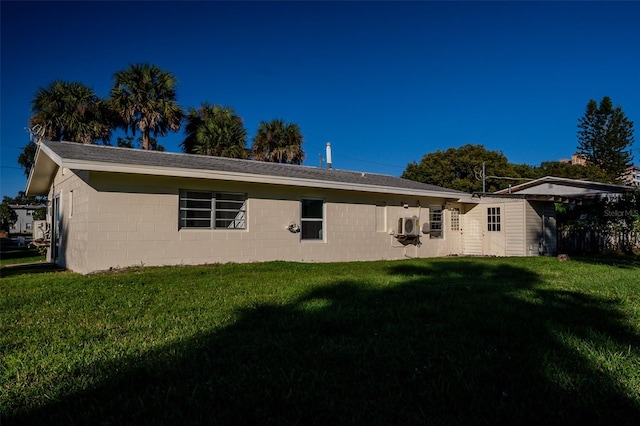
(24, 224)
(632, 176)
(576, 160)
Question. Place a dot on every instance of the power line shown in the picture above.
(369, 162)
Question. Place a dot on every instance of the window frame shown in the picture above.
(304, 220)
(436, 222)
(215, 201)
(494, 219)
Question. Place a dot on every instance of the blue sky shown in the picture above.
(384, 82)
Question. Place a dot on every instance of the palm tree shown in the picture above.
(70, 112)
(144, 98)
(215, 130)
(278, 142)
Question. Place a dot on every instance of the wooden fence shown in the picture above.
(590, 241)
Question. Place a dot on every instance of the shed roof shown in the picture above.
(555, 188)
(76, 156)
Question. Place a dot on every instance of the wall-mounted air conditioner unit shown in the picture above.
(409, 226)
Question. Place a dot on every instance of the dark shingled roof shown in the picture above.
(107, 154)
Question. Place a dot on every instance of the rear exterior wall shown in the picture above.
(124, 220)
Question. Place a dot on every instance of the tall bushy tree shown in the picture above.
(605, 136)
(278, 142)
(144, 98)
(215, 130)
(460, 168)
(70, 112)
(570, 171)
(27, 157)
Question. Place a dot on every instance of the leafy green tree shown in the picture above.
(40, 213)
(70, 112)
(278, 142)
(27, 157)
(215, 130)
(8, 216)
(605, 136)
(566, 170)
(130, 142)
(26, 200)
(144, 98)
(461, 169)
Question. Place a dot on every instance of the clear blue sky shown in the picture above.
(384, 82)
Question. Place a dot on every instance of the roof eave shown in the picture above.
(43, 171)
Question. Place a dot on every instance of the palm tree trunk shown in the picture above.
(145, 140)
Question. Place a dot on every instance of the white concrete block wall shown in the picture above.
(74, 196)
(133, 220)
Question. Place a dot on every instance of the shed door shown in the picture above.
(494, 239)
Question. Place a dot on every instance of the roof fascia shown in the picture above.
(571, 183)
(44, 168)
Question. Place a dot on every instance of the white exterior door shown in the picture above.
(472, 230)
(494, 230)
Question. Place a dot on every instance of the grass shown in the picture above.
(14, 255)
(435, 341)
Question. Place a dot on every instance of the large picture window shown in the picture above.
(312, 219)
(213, 210)
(493, 219)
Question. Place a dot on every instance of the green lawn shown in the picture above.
(14, 255)
(442, 341)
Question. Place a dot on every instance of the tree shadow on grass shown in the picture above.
(29, 268)
(625, 261)
(455, 342)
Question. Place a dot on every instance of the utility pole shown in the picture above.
(484, 179)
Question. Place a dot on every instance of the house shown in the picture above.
(24, 223)
(116, 207)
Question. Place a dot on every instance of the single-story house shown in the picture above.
(117, 207)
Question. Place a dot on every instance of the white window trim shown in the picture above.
(322, 220)
(212, 210)
(494, 219)
(437, 233)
